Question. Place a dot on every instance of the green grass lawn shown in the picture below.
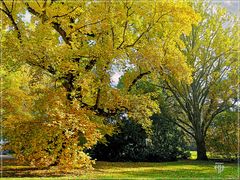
(194, 155)
(184, 169)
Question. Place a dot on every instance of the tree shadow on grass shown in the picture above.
(37, 172)
(11, 168)
(30, 172)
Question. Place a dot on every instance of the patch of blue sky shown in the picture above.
(233, 6)
(26, 18)
(119, 69)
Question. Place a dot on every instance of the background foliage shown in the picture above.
(132, 143)
(222, 138)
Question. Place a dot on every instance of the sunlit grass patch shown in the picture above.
(193, 155)
(186, 169)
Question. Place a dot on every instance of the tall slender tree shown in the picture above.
(212, 51)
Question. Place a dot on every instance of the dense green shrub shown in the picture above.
(133, 144)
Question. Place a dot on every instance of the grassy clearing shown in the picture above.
(185, 169)
(194, 155)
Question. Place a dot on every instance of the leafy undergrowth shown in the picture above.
(186, 169)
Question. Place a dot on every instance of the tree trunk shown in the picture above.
(201, 148)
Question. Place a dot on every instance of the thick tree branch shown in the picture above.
(223, 107)
(10, 16)
(183, 128)
(136, 79)
(31, 10)
(175, 94)
(50, 69)
(188, 125)
(102, 112)
(3, 11)
(61, 31)
(55, 25)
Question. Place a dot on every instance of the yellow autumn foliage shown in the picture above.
(52, 117)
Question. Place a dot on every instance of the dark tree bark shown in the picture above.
(201, 147)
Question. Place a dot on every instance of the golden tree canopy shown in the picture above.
(78, 46)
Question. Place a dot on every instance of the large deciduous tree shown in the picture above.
(212, 50)
(78, 44)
